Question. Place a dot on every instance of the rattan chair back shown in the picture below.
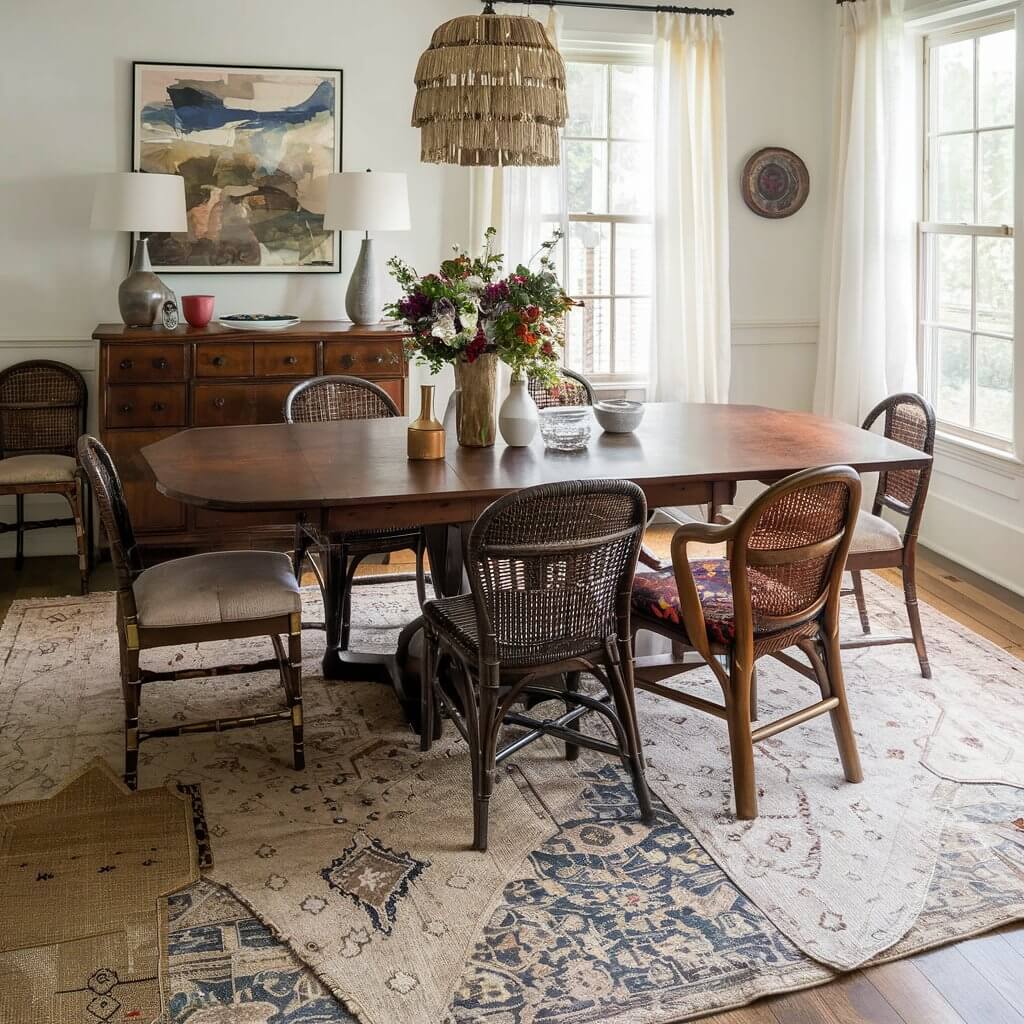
(572, 388)
(909, 419)
(551, 568)
(106, 485)
(326, 399)
(42, 408)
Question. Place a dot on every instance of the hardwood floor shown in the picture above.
(978, 981)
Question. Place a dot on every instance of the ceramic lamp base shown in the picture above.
(142, 293)
(362, 301)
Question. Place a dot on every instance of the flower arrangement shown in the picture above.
(468, 310)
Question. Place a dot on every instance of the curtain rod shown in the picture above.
(607, 5)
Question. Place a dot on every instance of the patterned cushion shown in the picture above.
(37, 469)
(655, 595)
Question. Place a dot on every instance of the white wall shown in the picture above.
(65, 94)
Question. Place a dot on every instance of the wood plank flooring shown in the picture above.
(978, 981)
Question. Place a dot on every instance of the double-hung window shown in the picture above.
(967, 237)
(609, 185)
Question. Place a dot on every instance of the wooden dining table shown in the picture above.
(354, 475)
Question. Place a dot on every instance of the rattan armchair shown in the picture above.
(778, 588)
(330, 399)
(224, 595)
(549, 570)
(877, 544)
(42, 414)
(571, 388)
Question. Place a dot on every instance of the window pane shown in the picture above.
(631, 177)
(954, 383)
(996, 57)
(995, 171)
(589, 348)
(590, 259)
(993, 410)
(632, 101)
(634, 256)
(953, 191)
(995, 285)
(587, 89)
(587, 175)
(953, 86)
(632, 335)
(949, 300)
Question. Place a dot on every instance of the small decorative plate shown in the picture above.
(775, 183)
(258, 321)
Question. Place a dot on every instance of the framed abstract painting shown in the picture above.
(255, 146)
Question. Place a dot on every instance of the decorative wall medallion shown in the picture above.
(775, 183)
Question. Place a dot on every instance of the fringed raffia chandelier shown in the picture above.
(490, 92)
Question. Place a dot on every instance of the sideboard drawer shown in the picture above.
(150, 511)
(214, 359)
(384, 358)
(285, 359)
(128, 363)
(221, 405)
(146, 405)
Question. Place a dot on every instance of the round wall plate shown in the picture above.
(775, 182)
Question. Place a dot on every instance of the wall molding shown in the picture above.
(775, 332)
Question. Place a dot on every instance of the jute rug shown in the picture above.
(579, 914)
(81, 872)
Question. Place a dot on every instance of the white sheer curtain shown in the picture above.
(867, 348)
(692, 349)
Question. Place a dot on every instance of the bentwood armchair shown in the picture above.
(549, 570)
(42, 414)
(332, 399)
(224, 595)
(778, 588)
(877, 544)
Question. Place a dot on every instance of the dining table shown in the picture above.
(354, 475)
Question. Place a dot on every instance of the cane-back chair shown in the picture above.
(549, 570)
(877, 543)
(778, 588)
(333, 399)
(224, 595)
(42, 415)
(571, 388)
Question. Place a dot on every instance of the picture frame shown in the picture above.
(255, 144)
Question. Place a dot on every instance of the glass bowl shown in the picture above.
(566, 428)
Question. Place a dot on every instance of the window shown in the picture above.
(609, 185)
(967, 243)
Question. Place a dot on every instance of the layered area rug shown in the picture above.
(349, 892)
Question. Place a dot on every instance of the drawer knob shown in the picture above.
(219, 403)
(347, 360)
(290, 360)
(159, 407)
(379, 358)
(126, 364)
(218, 360)
(159, 364)
(126, 408)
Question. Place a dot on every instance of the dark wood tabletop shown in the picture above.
(355, 474)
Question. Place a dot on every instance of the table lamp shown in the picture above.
(370, 201)
(136, 201)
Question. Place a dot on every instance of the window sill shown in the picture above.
(977, 454)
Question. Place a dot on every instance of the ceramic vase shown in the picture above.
(518, 419)
(426, 437)
(476, 386)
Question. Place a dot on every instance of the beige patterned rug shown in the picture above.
(81, 874)
(577, 914)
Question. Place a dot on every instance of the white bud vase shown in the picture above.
(517, 418)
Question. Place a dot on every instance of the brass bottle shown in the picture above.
(426, 435)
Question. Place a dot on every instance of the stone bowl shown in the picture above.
(618, 416)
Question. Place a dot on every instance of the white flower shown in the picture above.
(470, 320)
(475, 283)
(444, 328)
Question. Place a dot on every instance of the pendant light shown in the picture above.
(490, 92)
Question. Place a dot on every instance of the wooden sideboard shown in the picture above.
(154, 383)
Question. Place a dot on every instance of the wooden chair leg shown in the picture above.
(741, 744)
(572, 685)
(858, 593)
(428, 698)
(299, 551)
(421, 581)
(295, 691)
(132, 688)
(485, 755)
(620, 676)
(834, 685)
(78, 511)
(753, 694)
(19, 549)
(914, 615)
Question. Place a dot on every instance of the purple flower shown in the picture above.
(495, 293)
(414, 307)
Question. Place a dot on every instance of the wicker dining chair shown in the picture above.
(42, 414)
(571, 388)
(778, 588)
(549, 571)
(877, 543)
(331, 399)
(223, 595)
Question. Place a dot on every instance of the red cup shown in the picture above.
(198, 309)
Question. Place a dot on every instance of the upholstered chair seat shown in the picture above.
(218, 587)
(874, 533)
(37, 469)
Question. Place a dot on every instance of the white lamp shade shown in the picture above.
(135, 201)
(367, 201)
